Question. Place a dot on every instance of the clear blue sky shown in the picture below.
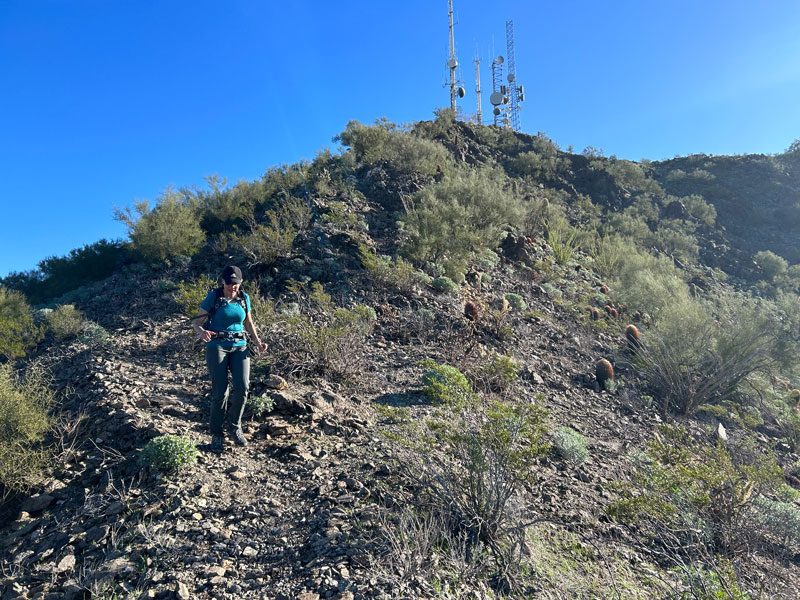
(105, 102)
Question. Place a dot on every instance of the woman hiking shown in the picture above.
(228, 316)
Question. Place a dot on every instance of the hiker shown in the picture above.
(228, 316)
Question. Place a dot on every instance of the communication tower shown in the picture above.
(498, 97)
(516, 94)
(478, 88)
(456, 91)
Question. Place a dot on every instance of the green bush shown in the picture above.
(24, 423)
(391, 273)
(539, 166)
(516, 302)
(93, 334)
(681, 485)
(445, 285)
(487, 259)
(563, 239)
(772, 266)
(500, 374)
(781, 519)
(18, 331)
(459, 216)
(260, 406)
(312, 335)
(403, 152)
(170, 228)
(274, 237)
(192, 293)
(168, 453)
(571, 445)
(446, 385)
(65, 321)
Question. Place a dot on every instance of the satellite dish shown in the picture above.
(500, 60)
(496, 111)
(452, 63)
(496, 98)
(460, 91)
(510, 78)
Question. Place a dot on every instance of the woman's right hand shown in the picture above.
(205, 335)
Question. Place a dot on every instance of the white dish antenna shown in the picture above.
(500, 60)
(496, 98)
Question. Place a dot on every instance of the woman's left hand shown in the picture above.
(262, 347)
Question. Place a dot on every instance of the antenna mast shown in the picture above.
(452, 63)
(498, 96)
(515, 94)
(478, 88)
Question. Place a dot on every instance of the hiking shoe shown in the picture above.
(238, 437)
(216, 444)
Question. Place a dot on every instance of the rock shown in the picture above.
(114, 508)
(721, 433)
(249, 552)
(181, 591)
(276, 382)
(37, 503)
(66, 564)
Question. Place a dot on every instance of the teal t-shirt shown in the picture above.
(229, 317)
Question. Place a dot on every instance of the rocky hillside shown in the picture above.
(364, 479)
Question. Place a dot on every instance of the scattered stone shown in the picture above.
(67, 563)
(276, 382)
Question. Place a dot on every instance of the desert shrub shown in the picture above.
(470, 468)
(701, 210)
(606, 251)
(702, 494)
(391, 272)
(312, 335)
(24, 422)
(92, 334)
(170, 228)
(498, 375)
(65, 321)
(690, 361)
(539, 166)
(671, 239)
(771, 265)
(403, 152)
(487, 259)
(261, 406)
(445, 285)
(274, 236)
(459, 216)
(18, 331)
(780, 519)
(516, 302)
(191, 293)
(571, 445)
(563, 239)
(168, 453)
(443, 384)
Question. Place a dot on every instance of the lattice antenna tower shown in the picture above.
(478, 88)
(516, 93)
(498, 97)
(456, 91)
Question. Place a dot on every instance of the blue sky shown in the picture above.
(107, 102)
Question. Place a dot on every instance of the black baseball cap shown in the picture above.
(232, 274)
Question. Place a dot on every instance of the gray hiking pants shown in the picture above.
(220, 361)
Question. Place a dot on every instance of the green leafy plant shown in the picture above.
(445, 285)
(93, 334)
(170, 228)
(260, 406)
(391, 273)
(18, 331)
(563, 239)
(516, 302)
(65, 321)
(571, 445)
(168, 453)
(25, 405)
(446, 385)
